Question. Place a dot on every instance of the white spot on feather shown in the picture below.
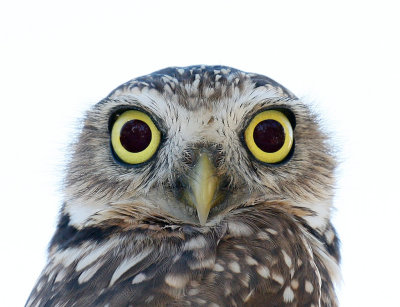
(288, 295)
(202, 264)
(195, 243)
(95, 254)
(60, 276)
(40, 285)
(192, 292)
(329, 235)
(139, 278)
(287, 259)
(68, 256)
(200, 301)
(263, 271)
(299, 262)
(128, 263)
(250, 261)
(272, 231)
(295, 284)
(239, 229)
(87, 274)
(248, 296)
(262, 235)
(176, 281)
(234, 267)
(278, 278)
(308, 287)
(218, 268)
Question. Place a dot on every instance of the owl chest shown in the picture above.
(262, 269)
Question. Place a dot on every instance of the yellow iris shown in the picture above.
(269, 136)
(134, 137)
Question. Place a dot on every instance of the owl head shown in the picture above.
(191, 145)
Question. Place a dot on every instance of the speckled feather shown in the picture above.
(123, 241)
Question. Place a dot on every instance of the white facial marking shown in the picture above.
(81, 210)
(322, 210)
(128, 263)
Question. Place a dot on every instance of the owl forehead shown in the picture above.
(195, 87)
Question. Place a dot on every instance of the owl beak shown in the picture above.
(202, 189)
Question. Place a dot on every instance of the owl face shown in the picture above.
(190, 145)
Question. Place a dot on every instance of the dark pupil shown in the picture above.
(269, 135)
(135, 135)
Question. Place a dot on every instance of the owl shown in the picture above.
(196, 186)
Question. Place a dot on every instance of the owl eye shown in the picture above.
(269, 136)
(134, 137)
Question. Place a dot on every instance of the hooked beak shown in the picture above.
(202, 187)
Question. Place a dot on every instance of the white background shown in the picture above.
(59, 57)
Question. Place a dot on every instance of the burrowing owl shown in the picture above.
(202, 185)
